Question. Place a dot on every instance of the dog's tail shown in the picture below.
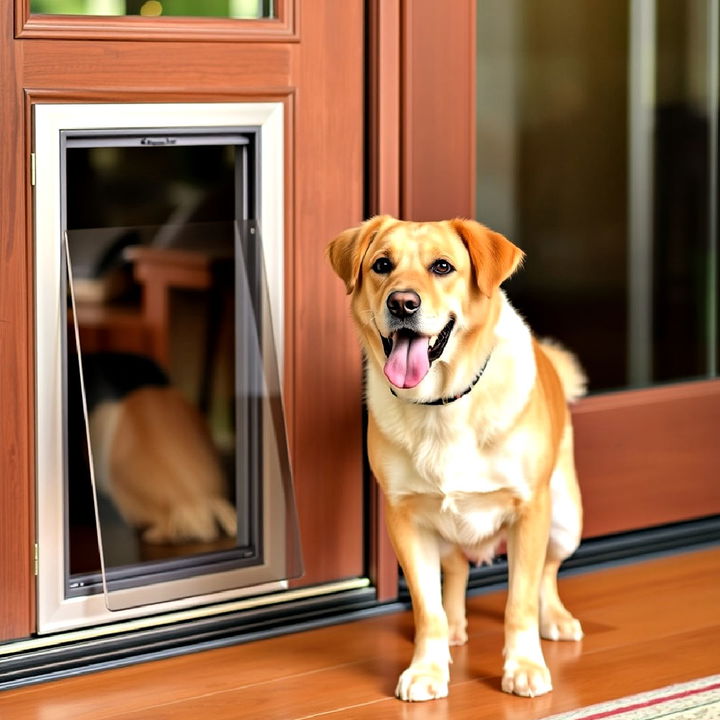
(567, 366)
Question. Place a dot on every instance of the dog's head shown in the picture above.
(420, 288)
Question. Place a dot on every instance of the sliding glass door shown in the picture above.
(597, 154)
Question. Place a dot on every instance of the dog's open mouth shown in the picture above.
(409, 355)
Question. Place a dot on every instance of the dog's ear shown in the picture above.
(494, 258)
(347, 250)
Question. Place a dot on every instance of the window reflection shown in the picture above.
(605, 182)
(247, 9)
(152, 237)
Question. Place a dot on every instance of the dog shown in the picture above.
(153, 454)
(469, 436)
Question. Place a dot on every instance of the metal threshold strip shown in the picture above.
(286, 596)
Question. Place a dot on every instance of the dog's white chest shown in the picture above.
(450, 461)
(462, 489)
(453, 462)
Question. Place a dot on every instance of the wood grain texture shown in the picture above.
(640, 634)
(384, 103)
(327, 415)
(438, 110)
(16, 353)
(648, 457)
(384, 143)
(383, 565)
(154, 67)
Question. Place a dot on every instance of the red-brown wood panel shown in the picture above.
(327, 433)
(16, 394)
(384, 127)
(154, 67)
(384, 157)
(438, 105)
(648, 457)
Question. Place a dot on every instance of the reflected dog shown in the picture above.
(153, 453)
(469, 436)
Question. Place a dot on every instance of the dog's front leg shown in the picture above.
(418, 552)
(525, 672)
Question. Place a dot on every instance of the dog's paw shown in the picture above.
(156, 535)
(419, 683)
(526, 678)
(560, 625)
(457, 633)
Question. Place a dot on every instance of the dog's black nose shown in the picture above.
(403, 303)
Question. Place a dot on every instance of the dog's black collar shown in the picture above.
(448, 400)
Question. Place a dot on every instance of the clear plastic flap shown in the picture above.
(185, 443)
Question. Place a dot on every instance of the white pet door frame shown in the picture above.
(58, 608)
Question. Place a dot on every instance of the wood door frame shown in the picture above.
(438, 110)
(323, 380)
(384, 138)
(17, 616)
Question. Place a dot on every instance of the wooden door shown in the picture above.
(645, 457)
(309, 57)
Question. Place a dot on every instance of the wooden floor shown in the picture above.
(647, 625)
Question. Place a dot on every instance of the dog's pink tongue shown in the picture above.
(408, 363)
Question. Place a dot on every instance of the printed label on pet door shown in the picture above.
(191, 484)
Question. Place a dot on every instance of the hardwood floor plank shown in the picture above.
(646, 625)
(578, 681)
(240, 667)
(365, 689)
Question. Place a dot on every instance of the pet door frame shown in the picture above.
(51, 122)
(168, 570)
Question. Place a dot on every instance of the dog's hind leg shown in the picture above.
(556, 622)
(455, 575)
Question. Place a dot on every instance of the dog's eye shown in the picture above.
(441, 267)
(382, 266)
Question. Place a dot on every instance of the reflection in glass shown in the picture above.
(170, 304)
(164, 450)
(246, 9)
(594, 127)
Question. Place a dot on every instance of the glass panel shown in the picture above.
(595, 123)
(179, 370)
(246, 9)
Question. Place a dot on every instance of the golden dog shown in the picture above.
(469, 436)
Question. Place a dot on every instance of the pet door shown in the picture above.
(185, 511)
(174, 456)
